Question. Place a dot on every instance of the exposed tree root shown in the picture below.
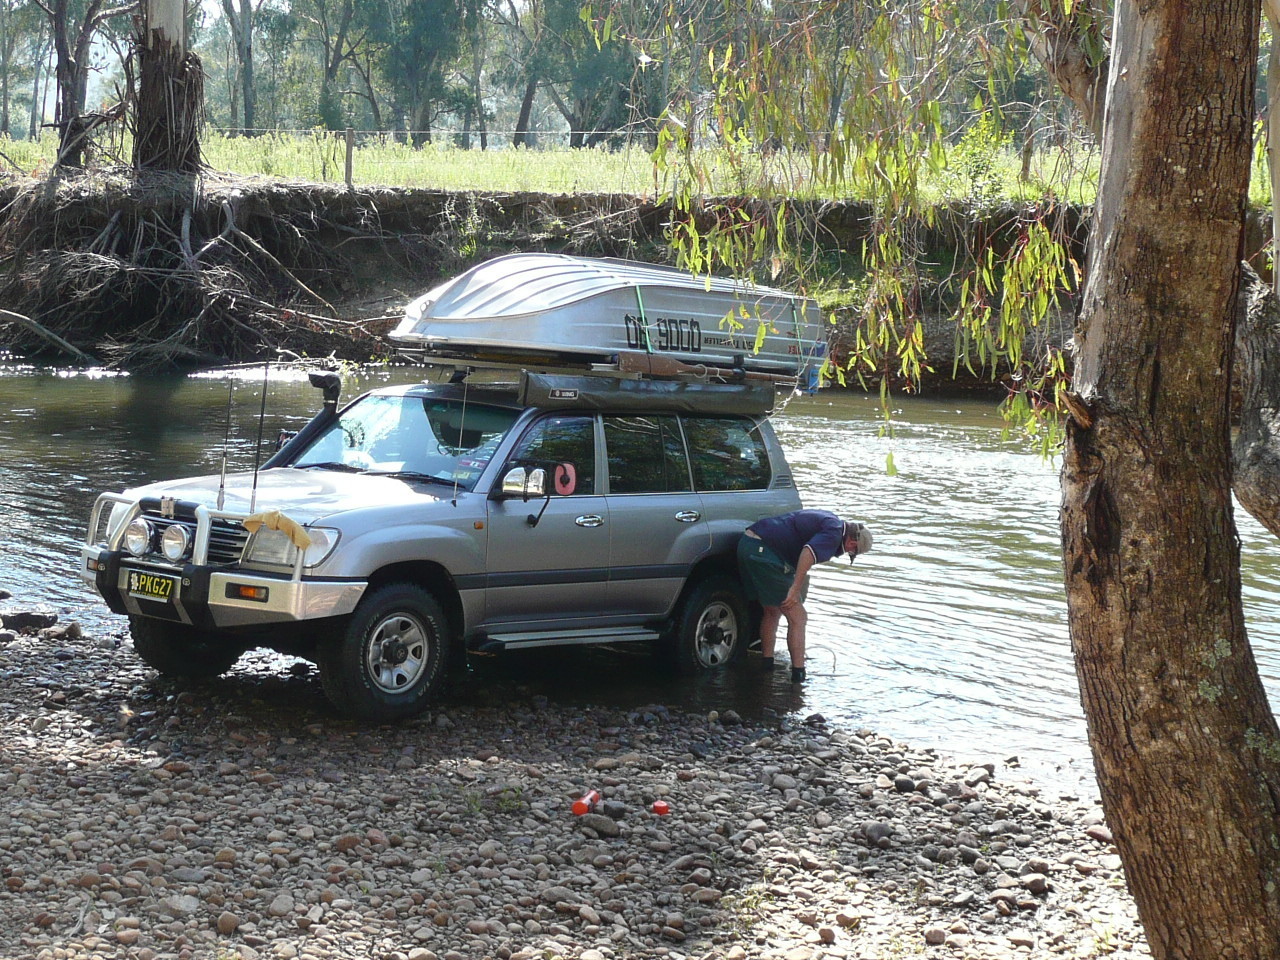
(157, 270)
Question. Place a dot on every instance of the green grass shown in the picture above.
(976, 172)
(32, 158)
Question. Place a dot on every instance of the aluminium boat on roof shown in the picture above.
(555, 311)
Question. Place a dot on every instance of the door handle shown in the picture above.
(688, 516)
(589, 520)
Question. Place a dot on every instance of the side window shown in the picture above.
(646, 455)
(728, 453)
(566, 446)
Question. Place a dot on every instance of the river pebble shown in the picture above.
(242, 819)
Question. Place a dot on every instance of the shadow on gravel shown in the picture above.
(284, 694)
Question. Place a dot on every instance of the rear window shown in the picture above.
(727, 453)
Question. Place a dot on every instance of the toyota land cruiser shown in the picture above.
(417, 524)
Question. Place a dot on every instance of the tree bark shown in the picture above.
(1186, 749)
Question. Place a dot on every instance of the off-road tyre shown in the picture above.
(182, 651)
(711, 627)
(390, 658)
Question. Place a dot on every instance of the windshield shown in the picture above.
(414, 437)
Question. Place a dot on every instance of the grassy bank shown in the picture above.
(980, 172)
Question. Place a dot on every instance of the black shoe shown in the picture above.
(766, 665)
(797, 674)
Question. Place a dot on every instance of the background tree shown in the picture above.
(425, 36)
(72, 26)
(1070, 40)
(41, 45)
(240, 16)
(527, 44)
(21, 36)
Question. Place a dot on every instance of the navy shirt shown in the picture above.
(788, 535)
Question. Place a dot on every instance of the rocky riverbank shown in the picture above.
(242, 819)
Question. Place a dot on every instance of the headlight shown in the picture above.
(322, 543)
(275, 548)
(270, 546)
(174, 542)
(138, 537)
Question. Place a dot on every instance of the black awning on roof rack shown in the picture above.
(554, 391)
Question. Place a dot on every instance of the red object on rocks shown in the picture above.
(587, 802)
(661, 807)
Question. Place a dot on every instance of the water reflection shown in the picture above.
(952, 633)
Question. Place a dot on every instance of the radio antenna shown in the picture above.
(226, 442)
(257, 447)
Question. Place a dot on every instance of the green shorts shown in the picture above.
(766, 577)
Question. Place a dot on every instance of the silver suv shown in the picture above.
(419, 523)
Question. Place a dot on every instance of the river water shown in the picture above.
(951, 633)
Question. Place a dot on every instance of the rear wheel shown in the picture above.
(710, 628)
(182, 651)
(391, 657)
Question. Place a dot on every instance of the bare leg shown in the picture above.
(769, 630)
(797, 618)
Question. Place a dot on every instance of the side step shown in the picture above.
(526, 640)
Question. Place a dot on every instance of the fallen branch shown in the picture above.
(49, 335)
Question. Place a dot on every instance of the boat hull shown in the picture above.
(572, 311)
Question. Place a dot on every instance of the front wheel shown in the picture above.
(182, 651)
(710, 628)
(390, 658)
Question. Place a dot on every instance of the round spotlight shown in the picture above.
(139, 536)
(174, 542)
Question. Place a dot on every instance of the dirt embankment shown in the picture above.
(160, 271)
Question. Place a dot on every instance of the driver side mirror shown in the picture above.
(525, 484)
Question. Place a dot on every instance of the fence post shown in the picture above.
(351, 150)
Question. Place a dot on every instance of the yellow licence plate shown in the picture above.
(150, 586)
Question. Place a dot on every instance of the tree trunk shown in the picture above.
(244, 51)
(6, 66)
(170, 91)
(526, 110)
(477, 69)
(39, 76)
(1185, 746)
(233, 97)
(4, 105)
(421, 133)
